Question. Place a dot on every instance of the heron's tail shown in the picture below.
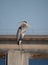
(17, 42)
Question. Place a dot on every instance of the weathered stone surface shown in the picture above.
(17, 58)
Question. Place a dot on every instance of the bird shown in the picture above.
(21, 31)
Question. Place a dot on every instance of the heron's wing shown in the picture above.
(18, 34)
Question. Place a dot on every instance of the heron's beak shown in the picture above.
(29, 26)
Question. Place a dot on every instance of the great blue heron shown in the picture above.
(21, 32)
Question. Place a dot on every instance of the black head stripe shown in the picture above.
(25, 21)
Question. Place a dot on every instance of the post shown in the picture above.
(17, 58)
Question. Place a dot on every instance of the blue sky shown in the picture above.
(14, 11)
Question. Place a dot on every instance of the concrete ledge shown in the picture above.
(25, 46)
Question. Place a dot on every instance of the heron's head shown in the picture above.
(25, 24)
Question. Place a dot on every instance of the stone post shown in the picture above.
(18, 58)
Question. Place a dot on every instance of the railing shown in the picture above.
(36, 45)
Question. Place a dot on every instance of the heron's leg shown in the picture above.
(20, 45)
(17, 47)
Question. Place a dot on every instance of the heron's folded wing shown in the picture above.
(18, 34)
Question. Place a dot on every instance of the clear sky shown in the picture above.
(14, 11)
